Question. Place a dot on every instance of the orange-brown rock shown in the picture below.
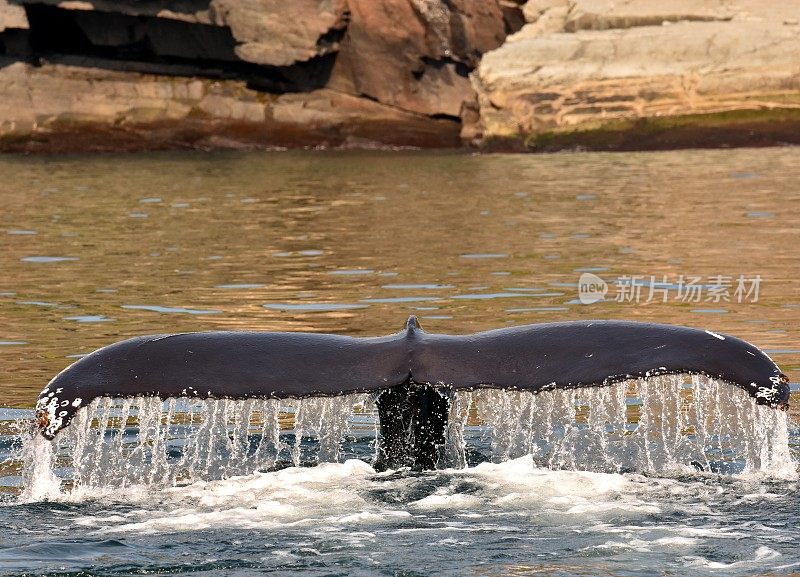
(12, 16)
(583, 65)
(67, 108)
(416, 54)
(320, 65)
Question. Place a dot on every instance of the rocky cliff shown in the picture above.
(541, 75)
(107, 74)
(644, 73)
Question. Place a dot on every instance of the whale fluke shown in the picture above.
(419, 368)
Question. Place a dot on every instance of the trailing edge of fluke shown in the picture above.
(245, 365)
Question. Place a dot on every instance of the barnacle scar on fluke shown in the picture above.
(411, 373)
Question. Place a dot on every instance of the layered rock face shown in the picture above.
(541, 75)
(242, 72)
(604, 65)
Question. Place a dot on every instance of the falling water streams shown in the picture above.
(665, 424)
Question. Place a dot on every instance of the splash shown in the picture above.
(38, 475)
(662, 424)
(144, 440)
(665, 424)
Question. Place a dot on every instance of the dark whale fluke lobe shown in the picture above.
(419, 367)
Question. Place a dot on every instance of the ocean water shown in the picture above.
(509, 518)
(104, 247)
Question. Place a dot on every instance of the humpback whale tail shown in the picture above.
(412, 376)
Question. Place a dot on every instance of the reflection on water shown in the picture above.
(100, 248)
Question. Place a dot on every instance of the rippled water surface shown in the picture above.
(100, 248)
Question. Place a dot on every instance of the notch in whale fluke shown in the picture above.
(246, 365)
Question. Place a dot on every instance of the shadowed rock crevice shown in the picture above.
(14, 41)
(126, 37)
(155, 45)
(513, 14)
(14, 44)
(431, 64)
(331, 39)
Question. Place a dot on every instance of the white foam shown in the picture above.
(761, 554)
(457, 501)
(296, 496)
(338, 495)
(522, 476)
(677, 541)
(352, 504)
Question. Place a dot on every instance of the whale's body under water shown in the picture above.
(672, 473)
